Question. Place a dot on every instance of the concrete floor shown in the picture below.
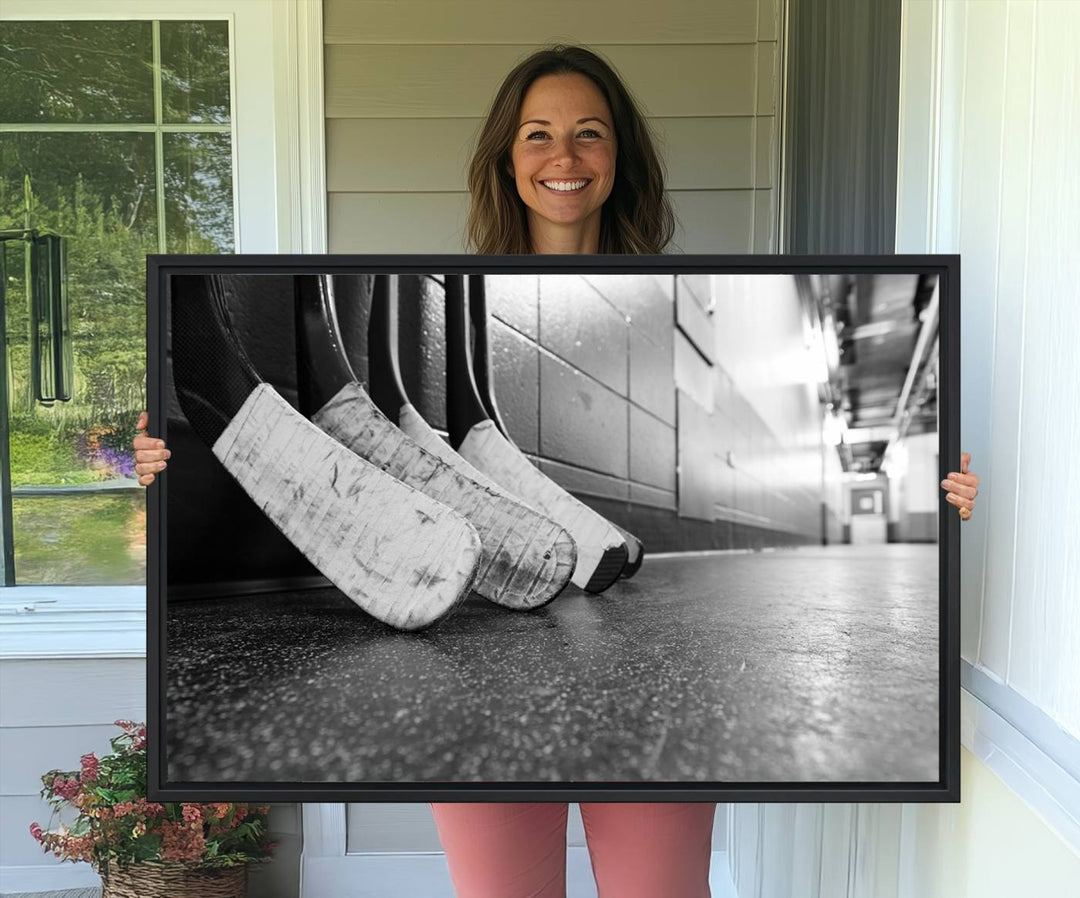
(807, 665)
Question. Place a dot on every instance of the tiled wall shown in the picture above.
(622, 390)
(913, 491)
(582, 370)
(749, 417)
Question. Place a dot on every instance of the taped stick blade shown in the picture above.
(527, 559)
(602, 552)
(403, 557)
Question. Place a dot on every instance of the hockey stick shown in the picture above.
(527, 559)
(402, 557)
(486, 388)
(387, 390)
(384, 372)
(601, 550)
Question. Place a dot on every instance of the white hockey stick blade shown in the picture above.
(413, 424)
(527, 559)
(601, 550)
(400, 555)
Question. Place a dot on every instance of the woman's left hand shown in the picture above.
(962, 487)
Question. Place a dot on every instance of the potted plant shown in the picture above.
(142, 848)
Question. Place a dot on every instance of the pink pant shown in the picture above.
(519, 850)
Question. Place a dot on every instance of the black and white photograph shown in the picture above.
(670, 523)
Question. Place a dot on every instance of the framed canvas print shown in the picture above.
(554, 528)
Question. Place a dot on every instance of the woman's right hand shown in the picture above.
(150, 453)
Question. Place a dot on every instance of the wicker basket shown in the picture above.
(174, 881)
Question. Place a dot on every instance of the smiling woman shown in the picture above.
(563, 117)
(563, 162)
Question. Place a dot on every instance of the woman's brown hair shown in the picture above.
(636, 217)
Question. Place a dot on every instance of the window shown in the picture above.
(117, 136)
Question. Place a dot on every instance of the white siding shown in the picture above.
(408, 83)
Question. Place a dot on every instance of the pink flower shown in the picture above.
(36, 831)
(150, 808)
(134, 731)
(89, 768)
(192, 813)
(77, 848)
(183, 842)
(66, 789)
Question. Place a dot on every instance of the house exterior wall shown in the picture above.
(408, 84)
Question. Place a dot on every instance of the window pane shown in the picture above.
(195, 71)
(98, 191)
(78, 177)
(198, 193)
(78, 516)
(81, 539)
(76, 72)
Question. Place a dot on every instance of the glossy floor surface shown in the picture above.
(813, 664)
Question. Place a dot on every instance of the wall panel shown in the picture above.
(1045, 639)
(396, 222)
(514, 22)
(990, 635)
(458, 80)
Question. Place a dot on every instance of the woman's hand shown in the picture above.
(962, 487)
(150, 454)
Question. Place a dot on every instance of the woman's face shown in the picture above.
(563, 154)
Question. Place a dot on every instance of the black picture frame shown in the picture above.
(160, 268)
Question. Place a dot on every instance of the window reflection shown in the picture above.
(125, 175)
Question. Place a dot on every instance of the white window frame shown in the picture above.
(279, 204)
